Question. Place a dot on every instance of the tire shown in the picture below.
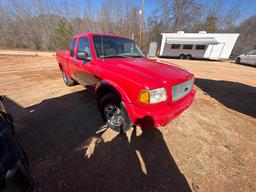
(188, 57)
(182, 56)
(67, 80)
(110, 104)
(238, 60)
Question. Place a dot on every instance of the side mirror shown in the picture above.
(83, 56)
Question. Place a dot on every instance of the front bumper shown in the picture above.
(160, 116)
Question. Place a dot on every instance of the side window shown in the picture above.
(84, 46)
(72, 47)
(175, 46)
(187, 46)
(200, 47)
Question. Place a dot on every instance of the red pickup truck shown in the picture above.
(130, 88)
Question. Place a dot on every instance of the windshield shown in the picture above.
(116, 47)
(253, 52)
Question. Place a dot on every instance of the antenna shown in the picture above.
(102, 50)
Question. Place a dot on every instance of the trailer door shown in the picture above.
(216, 51)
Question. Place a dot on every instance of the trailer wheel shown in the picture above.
(238, 60)
(188, 57)
(182, 56)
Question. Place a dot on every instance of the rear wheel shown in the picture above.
(238, 60)
(188, 57)
(182, 56)
(67, 80)
(114, 113)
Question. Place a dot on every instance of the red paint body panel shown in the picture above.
(161, 116)
(129, 76)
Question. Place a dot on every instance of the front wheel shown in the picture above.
(238, 60)
(114, 113)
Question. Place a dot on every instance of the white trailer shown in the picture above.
(202, 45)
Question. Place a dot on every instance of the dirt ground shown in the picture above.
(210, 147)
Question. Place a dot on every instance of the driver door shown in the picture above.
(85, 73)
(252, 57)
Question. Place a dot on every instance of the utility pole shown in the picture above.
(141, 13)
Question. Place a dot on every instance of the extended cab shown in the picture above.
(129, 87)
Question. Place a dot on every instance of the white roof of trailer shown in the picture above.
(192, 40)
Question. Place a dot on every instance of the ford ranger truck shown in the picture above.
(130, 88)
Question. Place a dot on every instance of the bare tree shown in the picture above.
(47, 24)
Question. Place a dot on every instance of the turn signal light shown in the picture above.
(144, 97)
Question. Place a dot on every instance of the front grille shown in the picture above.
(181, 90)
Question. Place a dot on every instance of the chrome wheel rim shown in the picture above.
(113, 115)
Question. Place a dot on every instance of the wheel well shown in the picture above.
(60, 66)
(103, 90)
(238, 60)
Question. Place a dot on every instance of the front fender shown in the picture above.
(114, 86)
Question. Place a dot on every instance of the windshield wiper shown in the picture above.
(112, 56)
(122, 56)
(131, 55)
(137, 56)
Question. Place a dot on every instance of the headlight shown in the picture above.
(153, 96)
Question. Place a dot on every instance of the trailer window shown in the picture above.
(187, 46)
(175, 46)
(72, 47)
(200, 47)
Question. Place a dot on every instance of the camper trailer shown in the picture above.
(202, 45)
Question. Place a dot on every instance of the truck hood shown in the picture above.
(148, 71)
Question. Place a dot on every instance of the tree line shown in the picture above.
(50, 24)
